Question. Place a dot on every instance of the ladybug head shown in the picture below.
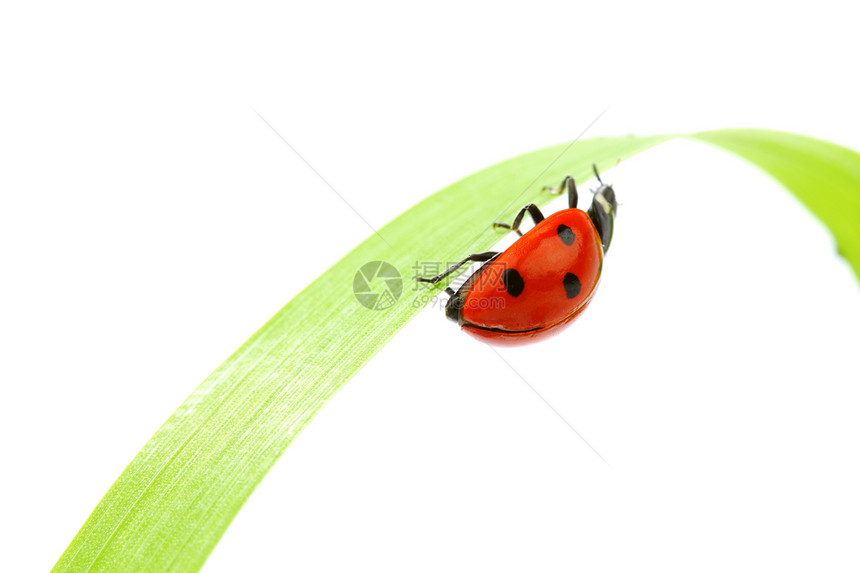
(608, 195)
(602, 211)
(606, 191)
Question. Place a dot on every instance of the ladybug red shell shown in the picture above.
(542, 282)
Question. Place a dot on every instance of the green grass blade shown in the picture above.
(169, 507)
(823, 175)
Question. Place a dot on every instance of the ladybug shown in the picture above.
(542, 282)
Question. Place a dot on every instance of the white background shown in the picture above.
(150, 222)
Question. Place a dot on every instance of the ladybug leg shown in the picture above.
(473, 258)
(569, 185)
(531, 209)
(555, 190)
(572, 195)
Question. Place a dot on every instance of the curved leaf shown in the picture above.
(173, 502)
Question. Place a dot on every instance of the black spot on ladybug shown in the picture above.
(514, 283)
(567, 235)
(572, 286)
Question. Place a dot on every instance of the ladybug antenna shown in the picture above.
(596, 174)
